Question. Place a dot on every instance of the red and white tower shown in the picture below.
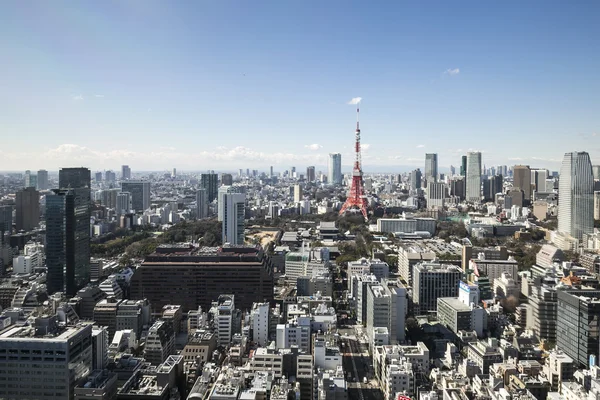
(356, 197)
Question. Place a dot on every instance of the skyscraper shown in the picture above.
(125, 172)
(522, 180)
(5, 219)
(221, 202)
(463, 166)
(98, 177)
(30, 179)
(335, 169)
(596, 171)
(210, 182)
(226, 179)
(271, 171)
(124, 204)
(140, 194)
(310, 174)
(297, 193)
(28, 209)
(74, 178)
(42, 179)
(473, 177)
(415, 179)
(431, 167)
(233, 218)
(201, 203)
(68, 240)
(576, 195)
(538, 179)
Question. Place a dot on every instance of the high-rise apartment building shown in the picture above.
(335, 169)
(310, 174)
(576, 195)
(140, 194)
(42, 179)
(298, 193)
(473, 184)
(243, 270)
(234, 212)
(201, 203)
(431, 167)
(522, 181)
(28, 209)
(210, 182)
(125, 172)
(68, 240)
(124, 204)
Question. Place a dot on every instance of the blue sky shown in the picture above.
(226, 85)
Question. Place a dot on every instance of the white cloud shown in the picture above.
(420, 146)
(365, 146)
(452, 71)
(77, 97)
(355, 100)
(313, 147)
(99, 95)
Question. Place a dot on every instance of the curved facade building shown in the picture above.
(576, 195)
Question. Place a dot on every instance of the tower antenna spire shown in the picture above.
(356, 197)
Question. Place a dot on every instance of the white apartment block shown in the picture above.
(267, 360)
(397, 377)
(295, 333)
(259, 318)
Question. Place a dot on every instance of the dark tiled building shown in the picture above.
(192, 277)
(578, 324)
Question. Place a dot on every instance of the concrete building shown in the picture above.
(436, 194)
(295, 332)
(456, 315)
(473, 177)
(361, 284)
(383, 356)
(298, 193)
(210, 182)
(484, 354)
(223, 313)
(406, 225)
(125, 172)
(576, 196)
(140, 194)
(558, 368)
(27, 209)
(243, 270)
(378, 308)
(200, 347)
(542, 312)
(234, 212)
(431, 168)
(124, 203)
(522, 181)
(160, 343)
(98, 385)
(577, 332)
(47, 360)
(494, 269)
(201, 203)
(259, 317)
(433, 280)
(42, 180)
(335, 169)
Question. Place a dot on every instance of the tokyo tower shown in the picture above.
(356, 197)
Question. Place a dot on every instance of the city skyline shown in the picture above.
(210, 94)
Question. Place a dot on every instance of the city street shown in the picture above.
(357, 364)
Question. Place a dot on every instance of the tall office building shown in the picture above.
(110, 176)
(140, 194)
(125, 172)
(74, 178)
(174, 173)
(124, 204)
(226, 179)
(538, 180)
(98, 176)
(221, 202)
(473, 184)
(335, 169)
(431, 167)
(415, 179)
(42, 179)
(463, 166)
(597, 205)
(310, 174)
(201, 203)
(298, 193)
(30, 180)
(28, 209)
(68, 240)
(596, 171)
(271, 171)
(6, 219)
(522, 180)
(576, 195)
(577, 332)
(234, 214)
(210, 182)
(436, 194)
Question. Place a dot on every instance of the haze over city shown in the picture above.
(229, 85)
